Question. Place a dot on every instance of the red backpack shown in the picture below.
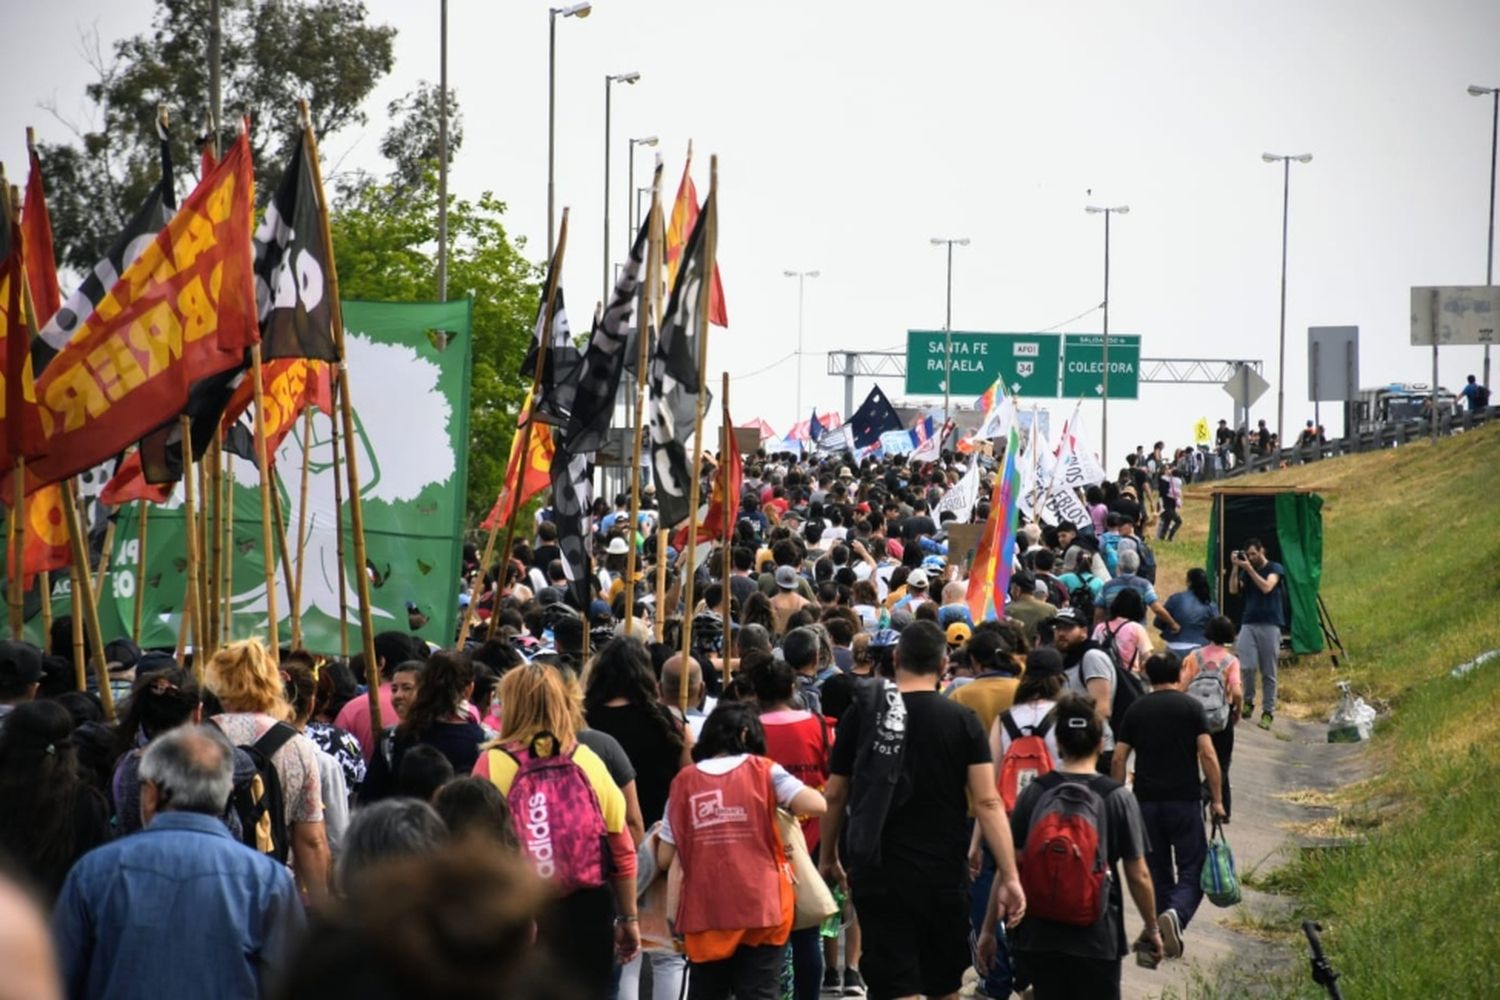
(1026, 759)
(1064, 867)
(557, 816)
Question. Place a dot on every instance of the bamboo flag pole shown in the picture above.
(46, 593)
(83, 600)
(140, 571)
(194, 599)
(105, 555)
(554, 267)
(284, 549)
(226, 620)
(301, 528)
(710, 238)
(215, 501)
(645, 321)
(346, 413)
(659, 619)
(273, 641)
(724, 466)
(338, 532)
(80, 661)
(13, 556)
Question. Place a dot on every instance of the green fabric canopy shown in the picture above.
(1291, 525)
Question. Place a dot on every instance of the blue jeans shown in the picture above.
(1003, 978)
(1175, 832)
(807, 963)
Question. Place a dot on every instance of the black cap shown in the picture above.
(1068, 616)
(122, 651)
(20, 663)
(1044, 661)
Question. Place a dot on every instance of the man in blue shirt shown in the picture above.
(182, 873)
(1262, 617)
(1476, 395)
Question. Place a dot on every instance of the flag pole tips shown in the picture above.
(304, 115)
(30, 138)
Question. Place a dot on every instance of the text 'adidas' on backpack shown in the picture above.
(1026, 759)
(557, 815)
(1064, 868)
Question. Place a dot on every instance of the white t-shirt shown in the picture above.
(1027, 716)
(785, 785)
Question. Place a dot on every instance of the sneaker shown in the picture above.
(854, 983)
(1171, 934)
(1249, 710)
(832, 985)
(1265, 720)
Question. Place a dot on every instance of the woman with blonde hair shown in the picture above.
(245, 679)
(538, 726)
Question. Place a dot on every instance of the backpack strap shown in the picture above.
(1045, 726)
(1009, 722)
(274, 739)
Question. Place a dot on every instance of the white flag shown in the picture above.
(962, 495)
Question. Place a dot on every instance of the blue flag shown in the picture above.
(874, 417)
(814, 426)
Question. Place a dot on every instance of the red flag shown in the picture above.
(184, 310)
(684, 216)
(41, 261)
(712, 527)
(45, 544)
(128, 483)
(291, 385)
(535, 477)
(22, 437)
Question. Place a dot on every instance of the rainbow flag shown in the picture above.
(989, 577)
(987, 401)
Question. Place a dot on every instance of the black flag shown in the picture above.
(559, 380)
(874, 417)
(599, 378)
(291, 268)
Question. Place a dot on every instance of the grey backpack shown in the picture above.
(1212, 691)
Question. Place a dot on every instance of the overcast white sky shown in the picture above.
(850, 133)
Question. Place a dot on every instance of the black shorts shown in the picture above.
(915, 939)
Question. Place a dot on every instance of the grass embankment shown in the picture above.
(1411, 905)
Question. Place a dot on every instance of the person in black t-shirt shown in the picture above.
(1169, 734)
(913, 905)
(547, 549)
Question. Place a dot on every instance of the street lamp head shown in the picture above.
(790, 274)
(1479, 91)
(1092, 209)
(1303, 158)
(1097, 209)
(1121, 210)
(575, 10)
(650, 140)
(630, 77)
(963, 242)
(1271, 157)
(813, 274)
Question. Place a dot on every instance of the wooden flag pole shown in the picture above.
(710, 236)
(226, 620)
(75, 584)
(724, 452)
(346, 412)
(194, 599)
(273, 639)
(45, 579)
(659, 619)
(284, 549)
(105, 556)
(338, 532)
(215, 574)
(646, 317)
(140, 572)
(301, 528)
(185, 627)
(553, 267)
(83, 600)
(15, 534)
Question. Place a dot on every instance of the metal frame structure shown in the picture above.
(850, 365)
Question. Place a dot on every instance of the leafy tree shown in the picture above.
(272, 53)
(384, 238)
(411, 144)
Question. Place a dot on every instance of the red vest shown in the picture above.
(733, 863)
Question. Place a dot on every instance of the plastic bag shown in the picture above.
(1219, 882)
(1352, 721)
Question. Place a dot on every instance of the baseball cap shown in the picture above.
(786, 578)
(20, 662)
(1044, 661)
(917, 579)
(958, 634)
(1069, 616)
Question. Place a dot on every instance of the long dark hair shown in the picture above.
(623, 670)
(731, 728)
(159, 700)
(445, 679)
(41, 791)
(1197, 582)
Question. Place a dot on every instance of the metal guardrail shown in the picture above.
(1390, 435)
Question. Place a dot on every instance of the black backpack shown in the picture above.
(1128, 686)
(257, 800)
(1081, 597)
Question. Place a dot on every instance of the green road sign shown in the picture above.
(1083, 365)
(1027, 361)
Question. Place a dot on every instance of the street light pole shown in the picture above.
(609, 78)
(630, 198)
(1104, 349)
(1286, 194)
(442, 262)
(948, 330)
(1489, 257)
(801, 276)
(576, 10)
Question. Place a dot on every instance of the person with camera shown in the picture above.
(1262, 617)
